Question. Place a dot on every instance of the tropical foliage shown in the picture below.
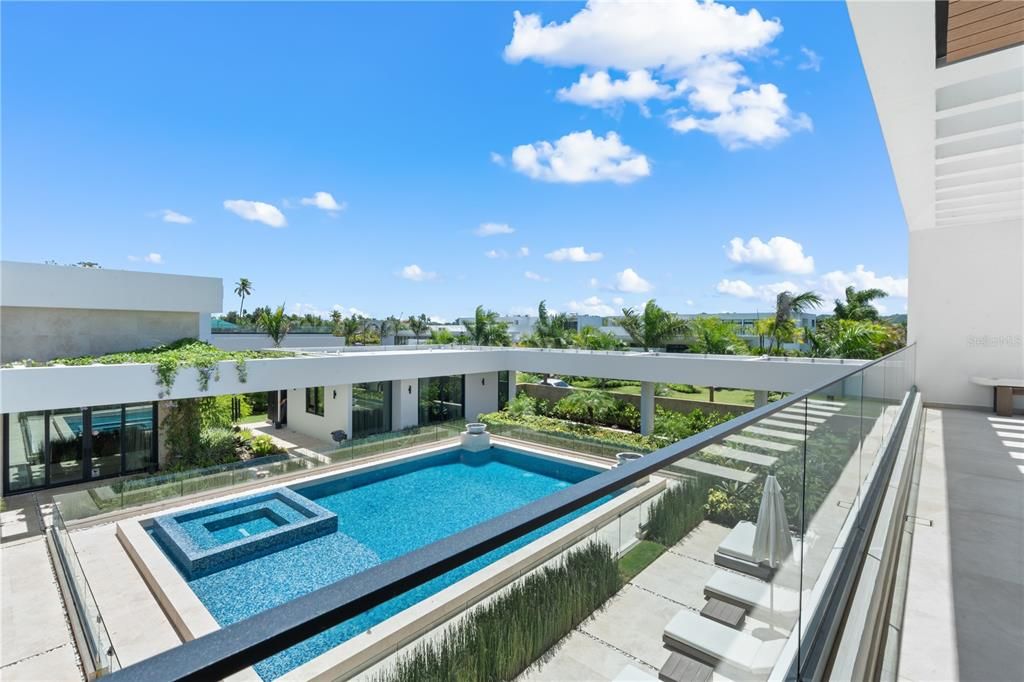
(714, 336)
(652, 327)
(857, 305)
(419, 326)
(485, 329)
(550, 331)
(782, 328)
(276, 324)
(243, 288)
(503, 636)
(591, 338)
(442, 337)
(589, 407)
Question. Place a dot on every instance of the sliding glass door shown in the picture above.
(371, 408)
(442, 398)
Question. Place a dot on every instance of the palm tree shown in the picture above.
(787, 305)
(441, 337)
(857, 305)
(336, 322)
(551, 331)
(714, 336)
(592, 338)
(861, 339)
(390, 326)
(419, 325)
(585, 405)
(349, 327)
(485, 329)
(653, 327)
(243, 288)
(276, 324)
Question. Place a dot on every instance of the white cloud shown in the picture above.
(764, 292)
(778, 254)
(757, 116)
(523, 252)
(618, 300)
(689, 301)
(529, 274)
(833, 284)
(667, 49)
(416, 274)
(491, 229)
(600, 90)
(257, 211)
(496, 253)
(497, 159)
(324, 201)
(593, 283)
(154, 258)
(574, 254)
(581, 157)
(169, 216)
(812, 60)
(591, 306)
(628, 281)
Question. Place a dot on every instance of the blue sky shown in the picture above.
(652, 141)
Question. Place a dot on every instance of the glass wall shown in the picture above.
(56, 447)
(25, 450)
(139, 445)
(106, 440)
(371, 408)
(442, 398)
(66, 435)
(502, 389)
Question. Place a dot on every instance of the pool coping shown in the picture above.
(191, 619)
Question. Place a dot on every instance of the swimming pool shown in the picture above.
(382, 513)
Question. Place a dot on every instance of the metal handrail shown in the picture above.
(245, 643)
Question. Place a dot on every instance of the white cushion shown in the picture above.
(755, 594)
(739, 543)
(721, 642)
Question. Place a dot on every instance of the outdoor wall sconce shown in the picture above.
(483, 382)
(410, 389)
(334, 394)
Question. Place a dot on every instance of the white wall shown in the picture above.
(481, 394)
(262, 341)
(405, 396)
(337, 412)
(56, 286)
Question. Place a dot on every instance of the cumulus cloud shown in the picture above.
(497, 159)
(416, 274)
(496, 253)
(778, 254)
(581, 157)
(811, 62)
(618, 300)
(256, 211)
(591, 306)
(601, 90)
(154, 258)
(529, 274)
(765, 292)
(523, 251)
(574, 254)
(491, 229)
(666, 49)
(833, 284)
(324, 201)
(629, 282)
(169, 216)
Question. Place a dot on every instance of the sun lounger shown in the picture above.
(715, 644)
(765, 602)
(736, 552)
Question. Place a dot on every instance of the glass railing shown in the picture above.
(725, 553)
(83, 606)
(129, 493)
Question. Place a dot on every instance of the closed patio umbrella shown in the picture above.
(772, 542)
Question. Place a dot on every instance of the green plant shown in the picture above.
(712, 335)
(243, 288)
(857, 305)
(587, 406)
(485, 329)
(653, 327)
(638, 558)
(263, 445)
(781, 328)
(523, 405)
(219, 444)
(677, 511)
(276, 324)
(502, 637)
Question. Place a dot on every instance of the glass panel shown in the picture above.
(502, 390)
(66, 446)
(441, 399)
(27, 465)
(371, 408)
(106, 440)
(138, 436)
(315, 400)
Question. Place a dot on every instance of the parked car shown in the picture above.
(554, 381)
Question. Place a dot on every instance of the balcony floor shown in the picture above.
(965, 597)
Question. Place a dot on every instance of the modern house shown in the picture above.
(868, 525)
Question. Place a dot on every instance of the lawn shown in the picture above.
(639, 558)
(252, 419)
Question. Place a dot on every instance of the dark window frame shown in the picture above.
(316, 405)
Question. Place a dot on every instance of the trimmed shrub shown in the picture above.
(677, 511)
(503, 637)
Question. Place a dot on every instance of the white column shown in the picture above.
(646, 407)
(406, 397)
(205, 327)
(511, 385)
(760, 398)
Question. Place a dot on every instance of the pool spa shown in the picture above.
(248, 554)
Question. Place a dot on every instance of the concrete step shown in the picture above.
(741, 455)
(798, 425)
(759, 443)
(827, 404)
(715, 470)
(798, 417)
(774, 433)
(799, 409)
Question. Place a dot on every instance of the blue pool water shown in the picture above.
(382, 515)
